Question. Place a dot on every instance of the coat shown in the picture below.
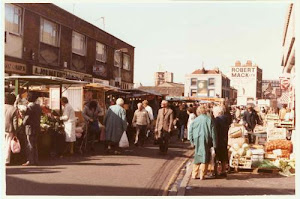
(251, 119)
(164, 122)
(32, 119)
(69, 120)
(10, 118)
(202, 134)
(115, 123)
(222, 124)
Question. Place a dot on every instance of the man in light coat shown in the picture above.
(69, 120)
(10, 124)
(163, 126)
(115, 124)
(140, 121)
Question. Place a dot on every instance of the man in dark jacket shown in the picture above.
(182, 118)
(32, 129)
(250, 119)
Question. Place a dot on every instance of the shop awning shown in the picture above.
(142, 92)
(102, 86)
(43, 80)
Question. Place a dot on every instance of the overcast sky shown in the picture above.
(180, 36)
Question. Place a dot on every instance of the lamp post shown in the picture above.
(121, 50)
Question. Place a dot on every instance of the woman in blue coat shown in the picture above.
(202, 135)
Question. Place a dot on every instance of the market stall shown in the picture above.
(50, 139)
(272, 150)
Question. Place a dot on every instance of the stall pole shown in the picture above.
(16, 87)
(60, 95)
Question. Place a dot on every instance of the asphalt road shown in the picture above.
(243, 184)
(138, 171)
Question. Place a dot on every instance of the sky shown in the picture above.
(181, 37)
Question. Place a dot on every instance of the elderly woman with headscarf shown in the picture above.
(202, 135)
(115, 124)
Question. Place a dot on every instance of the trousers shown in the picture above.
(31, 149)
(199, 170)
(8, 138)
(163, 141)
(140, 134)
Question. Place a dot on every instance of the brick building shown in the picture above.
(44, 39)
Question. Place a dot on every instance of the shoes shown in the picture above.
(27, 164)
(223, 175)
(117, 152)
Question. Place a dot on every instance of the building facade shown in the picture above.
(44, 39)
(207, 83)
(271, 89)
(162, 77)
(287, 79)
(247, 79)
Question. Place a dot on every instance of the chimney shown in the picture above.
(249, 63)
(237, 63)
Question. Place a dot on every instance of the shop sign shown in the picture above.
(284, 83)
(243, 72)
(202, 87)
(36, 70)
(14, 67)
(78, 76)
(100, 81)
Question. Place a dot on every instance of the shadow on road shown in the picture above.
(225, 191)
(24, 187)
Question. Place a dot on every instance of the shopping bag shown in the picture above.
(124, 141)
(15, 145)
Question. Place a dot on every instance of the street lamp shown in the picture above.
(121, 50)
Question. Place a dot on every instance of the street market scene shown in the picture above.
(123, 99)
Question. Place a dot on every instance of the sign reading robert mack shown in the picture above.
(243, 72)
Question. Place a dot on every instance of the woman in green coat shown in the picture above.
(202, 135)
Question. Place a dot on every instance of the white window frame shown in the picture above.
(101, 57)
(192, 81)
(214, 92)
(55, 31)
(19, 15)
(117, 53)
(193, 91)
(211, 79)
(124, 62)
(81, 52)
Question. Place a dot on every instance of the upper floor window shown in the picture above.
(193, 81)
(100, 52)
(211, 81)
(117, 59)
(78, 43)
(126, 62)
(13, 18)
(49, 32)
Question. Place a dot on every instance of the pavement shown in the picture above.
(138, 171)
(240, 183)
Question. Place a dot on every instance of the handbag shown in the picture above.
(124, 141)
(15, 145)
